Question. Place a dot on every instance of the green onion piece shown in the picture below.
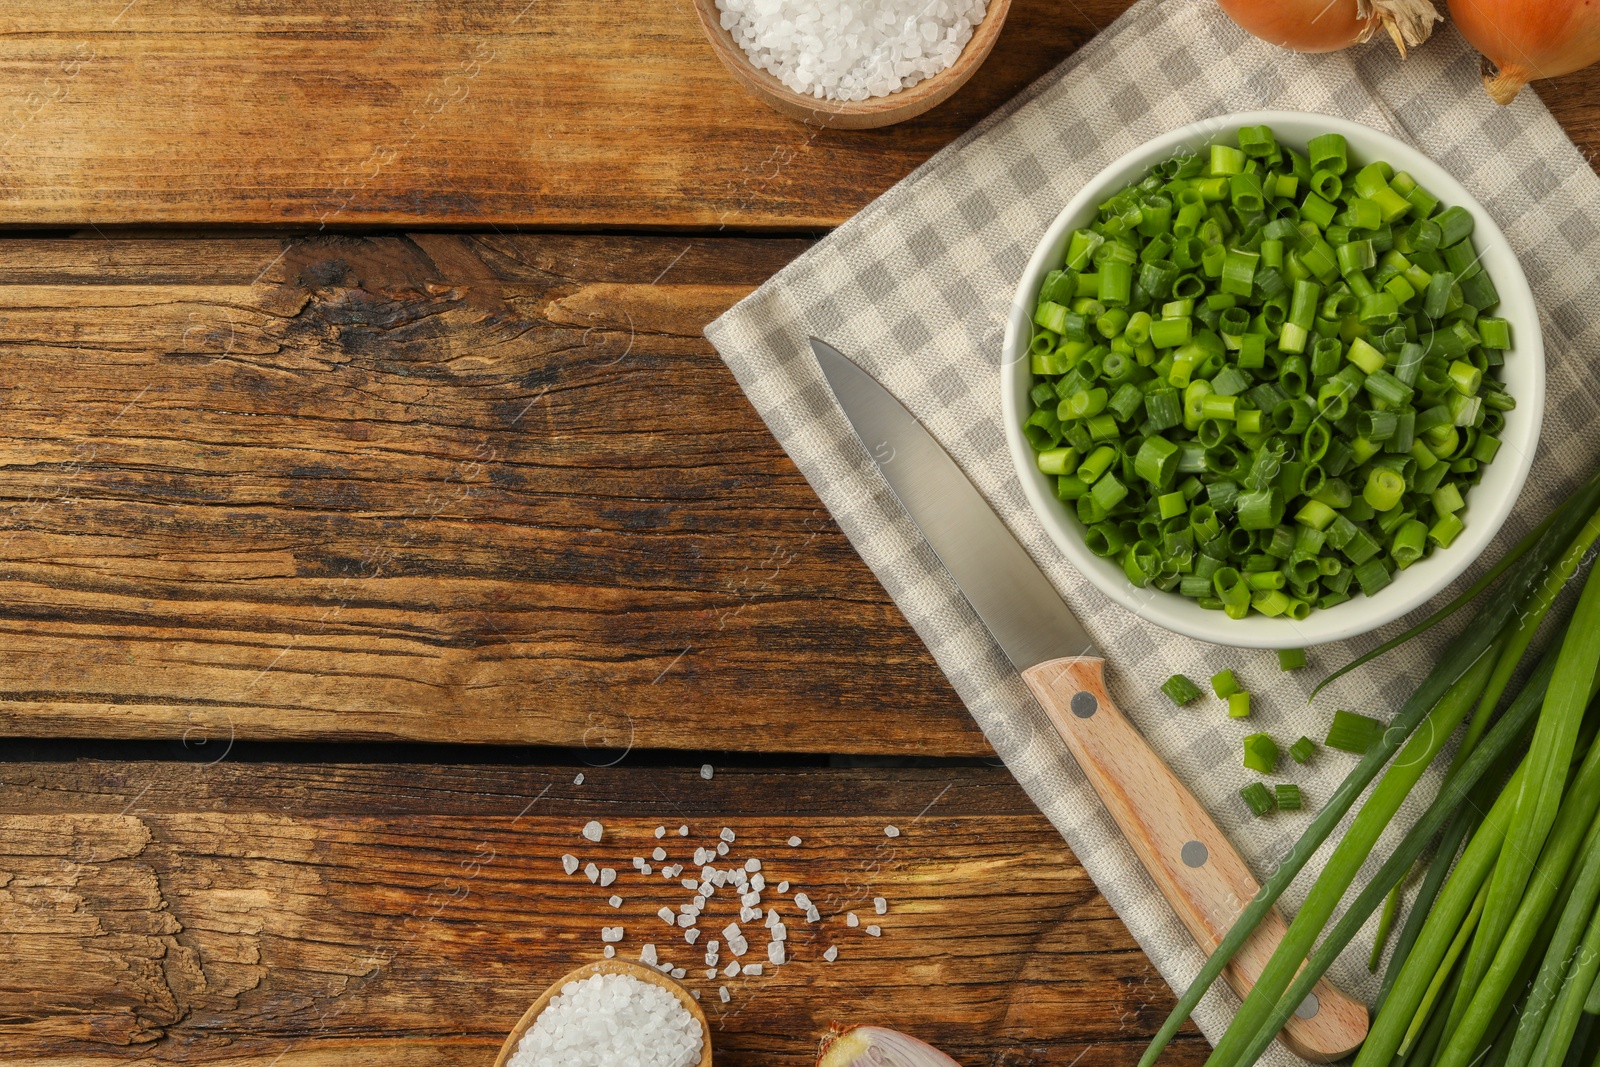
(1288, 797)
(1224, 683)
(1180, 690)
(1260, 753)
(1351, 732)
(1239, 703)
(1258, 797)
(1302, 750)
(1291, 659)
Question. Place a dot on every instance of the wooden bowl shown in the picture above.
(853, 114)
(637, 970)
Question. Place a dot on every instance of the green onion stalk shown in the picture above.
(1443, 697)
(1538, 802)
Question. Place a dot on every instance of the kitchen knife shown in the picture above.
(1196, 868)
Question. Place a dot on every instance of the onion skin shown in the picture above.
(846, 1046)
(1331, 25)
(1528, 39)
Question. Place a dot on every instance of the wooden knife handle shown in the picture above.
(1196, 868)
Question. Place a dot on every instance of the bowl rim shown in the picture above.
(1432, 575)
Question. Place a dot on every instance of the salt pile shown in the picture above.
(608, 1020)
(851, 49)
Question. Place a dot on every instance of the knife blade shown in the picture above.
(1188, 857)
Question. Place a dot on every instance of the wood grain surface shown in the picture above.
(336, 113)
(307, 916)
(535, 113)
(430, 488)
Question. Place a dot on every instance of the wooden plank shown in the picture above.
(554, 113)
(302, 916)
(502, 113)
(438, 488)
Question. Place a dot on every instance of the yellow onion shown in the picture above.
(1329, 25)
(1522, 40)
(873, 1046)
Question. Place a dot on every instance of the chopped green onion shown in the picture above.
(1302, 750)
(1291, 659)
(1224, 683)
(1351, 732)
(1299, 340)
(1288, 797)
(1239, 703)
(1180, 690)
(1260, 753)
(1258, 797)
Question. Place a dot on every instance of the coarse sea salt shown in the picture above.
(851, 49)
(593, 831)
(611, 1019)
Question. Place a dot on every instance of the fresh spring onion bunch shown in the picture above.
(1267, 380)
(1499, 966)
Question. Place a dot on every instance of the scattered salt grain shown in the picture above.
(593, 831)
(659, 854)
(592, 872)
(813, 915)
(802, 901)
(579, 779)
(569, 863)
(612, 1018)
(661, 831)
(752, 969)
(891, 831)
(773, 922)
(611, 933)
(783, 886)
(667, 916)
(686, 921)
(691, 885)
(615, 901)
(647, 870)
(607, 876)
(780, 933)
(638, 863)
(732, 931)
(711, 972)
(750, 900)
(683, 831)
(732, 970)
(722, 994)
(705, 771)
(648, 955)
(679, 973)
(853, 51)
(691, 935)
(875, 931)
(880, 905)
(722, 848)
(695, 993)
(851, 920)
(758, 883)
(700, 857)
(831, 954)
(794, 842)
(775, 953)
(611, 951)
(726, 835)
(752, 865)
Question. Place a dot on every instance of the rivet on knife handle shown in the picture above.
(1193, 864)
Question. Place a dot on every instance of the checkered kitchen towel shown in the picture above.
(916, 288)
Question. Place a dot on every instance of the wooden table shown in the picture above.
(365, 478)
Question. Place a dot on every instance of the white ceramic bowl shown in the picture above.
(1487, 505)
